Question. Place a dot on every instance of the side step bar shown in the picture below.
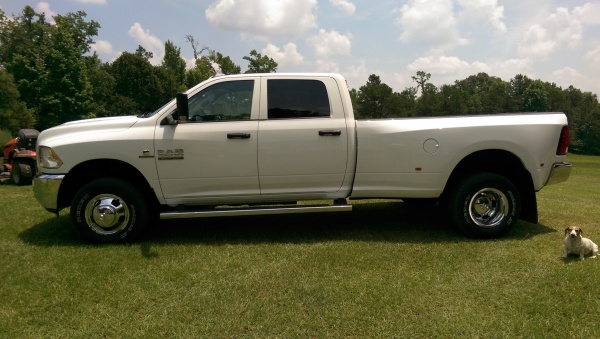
(224, 212)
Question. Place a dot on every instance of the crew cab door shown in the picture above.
(213, 156)
(303, 139)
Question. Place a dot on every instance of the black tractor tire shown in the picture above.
(109, 210)
(21, 173)
(484, 205)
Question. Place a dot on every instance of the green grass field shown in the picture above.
(384, 270)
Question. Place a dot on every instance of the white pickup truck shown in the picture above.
(260, 143)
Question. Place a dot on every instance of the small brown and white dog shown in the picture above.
(575, 243)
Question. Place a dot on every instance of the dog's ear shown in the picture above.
(580, 231)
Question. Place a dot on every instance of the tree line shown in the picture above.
(48, 76)
(483, 94)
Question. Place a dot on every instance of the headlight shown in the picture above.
(47, 158)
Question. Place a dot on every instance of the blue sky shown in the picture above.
(555, 41)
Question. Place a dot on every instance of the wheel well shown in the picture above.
(88, 171)
(503, 163)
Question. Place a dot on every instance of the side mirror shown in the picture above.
(182, 106)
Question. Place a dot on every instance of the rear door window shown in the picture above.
(293, 99)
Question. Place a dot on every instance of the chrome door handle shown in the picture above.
(330, 132)
(238, 135)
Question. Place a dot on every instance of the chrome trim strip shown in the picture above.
(560, 172)
(255, 211)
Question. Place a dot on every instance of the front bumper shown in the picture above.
(45, 189)
(560, 172)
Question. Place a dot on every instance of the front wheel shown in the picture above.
(109, 210)
(485, 205)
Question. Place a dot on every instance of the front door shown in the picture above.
(213, 156)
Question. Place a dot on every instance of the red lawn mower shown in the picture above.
(19, 157)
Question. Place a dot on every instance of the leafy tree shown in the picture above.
(203, 66)
(518, 85)
(174, 65)
(428, 104)
(24, 44)
(196, 46)
(143, 53)
(584, 121)
(104, 96)
(483, 94)
(556, 98)
(202, 71)
(408, 102)
(47, 63)
(588, 131)
(452, 99)
(225, 63)
(258, 63)
(136, 78)
(421, 78)
(14, 114)
(374, 99)
(535, 97)
(66, 93)
(354, 99)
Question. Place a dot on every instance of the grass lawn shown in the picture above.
(384, 270)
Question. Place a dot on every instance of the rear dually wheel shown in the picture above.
(484, 205)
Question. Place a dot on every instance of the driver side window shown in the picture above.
(230, 100)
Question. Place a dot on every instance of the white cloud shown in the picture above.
(358, 71)
(263, 18)
(588, 14)
(447, 69)
(488, 11)
(507, 69)
(593, 57)
(537, 42)
(345, 5)
(568, 76)
(99, 2)
(190, 63)
(44, 7)
(568, 28)
(104, 49)
(324, 66)
(430, 23)
(567, 72)
(150, 42)
(357, 74)
(440, 65)
(330, 43)
(561, 28)
(288, 56)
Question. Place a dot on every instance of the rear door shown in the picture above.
(303, 141)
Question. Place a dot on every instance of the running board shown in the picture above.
(225, 212)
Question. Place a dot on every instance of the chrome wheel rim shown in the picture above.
(107, 214)
(488, 207)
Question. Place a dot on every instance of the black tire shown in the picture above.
(484, 205)
(109, 210)
(21, 173)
